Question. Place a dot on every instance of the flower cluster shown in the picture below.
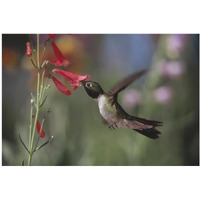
(41, 66)
(171, 67)
(74, 79)
(61, 60)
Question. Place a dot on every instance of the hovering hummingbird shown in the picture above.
(114, 114)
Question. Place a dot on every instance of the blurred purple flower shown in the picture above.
(175, 44)
(163, 94)
(131, 98)
(171, 69)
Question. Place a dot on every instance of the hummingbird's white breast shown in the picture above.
(108, 112)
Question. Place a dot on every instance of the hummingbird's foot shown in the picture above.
(112, 126)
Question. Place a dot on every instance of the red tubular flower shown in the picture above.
(28, 49)
(61, 87)
(61, 60)
(74, 79)
(42, 134)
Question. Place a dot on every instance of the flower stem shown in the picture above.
(31, 150)
(30, 128)
(41, 88)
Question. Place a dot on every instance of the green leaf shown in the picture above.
(34, 64)
(43, 144)
(43, 102)
(23, 144)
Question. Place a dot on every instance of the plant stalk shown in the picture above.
(37, 103)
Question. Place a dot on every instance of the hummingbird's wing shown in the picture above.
(124, 83)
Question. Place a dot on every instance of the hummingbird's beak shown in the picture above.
(83, 82)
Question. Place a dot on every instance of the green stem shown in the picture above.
(30, 130)
(38, 50)
(32, 140)
(41, 87)
(44, 89)
(37, 110)
(44, 51)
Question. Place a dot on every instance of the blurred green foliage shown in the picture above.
(80, 137)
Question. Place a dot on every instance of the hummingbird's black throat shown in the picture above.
(91, 89)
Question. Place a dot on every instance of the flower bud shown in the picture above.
(48, 86)
(32, 101)
(28, 49)
(49, 110)
(47, 62)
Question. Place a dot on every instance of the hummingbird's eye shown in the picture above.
(89, 84)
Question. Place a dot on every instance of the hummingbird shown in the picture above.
(112, 112)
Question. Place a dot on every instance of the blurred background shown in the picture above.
(169, 92)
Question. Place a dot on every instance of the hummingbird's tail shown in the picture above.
(149, 132)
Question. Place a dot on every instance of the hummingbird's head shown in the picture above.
(93, 89)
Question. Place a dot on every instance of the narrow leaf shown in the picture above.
(44, 144)
(43, 102)
(23, 144)
(34, 64)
